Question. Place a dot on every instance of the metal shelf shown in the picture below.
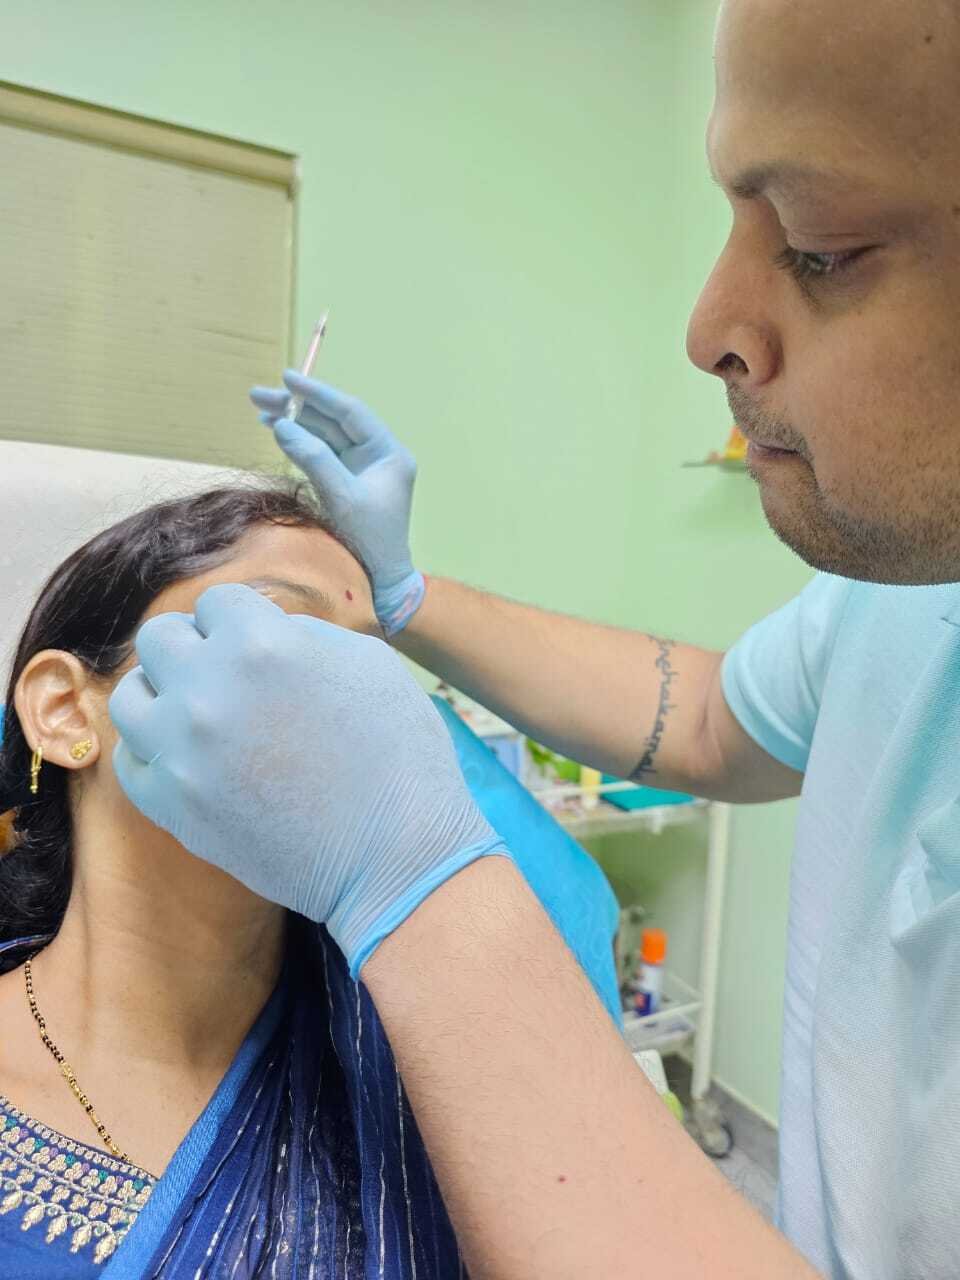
(584, 812)
(605, 819)
(672, 1027)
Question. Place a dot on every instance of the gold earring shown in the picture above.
(36, 760)
(80, 749)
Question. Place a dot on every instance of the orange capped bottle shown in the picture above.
(647, 986)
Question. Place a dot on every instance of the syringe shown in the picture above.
(295, 403)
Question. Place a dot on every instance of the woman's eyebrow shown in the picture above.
(317, 599)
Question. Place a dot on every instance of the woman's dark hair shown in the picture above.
(91, 607)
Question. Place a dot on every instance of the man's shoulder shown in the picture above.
(844, 620)
(863, 607)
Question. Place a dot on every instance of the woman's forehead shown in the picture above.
(304, 570)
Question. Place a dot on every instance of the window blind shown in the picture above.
(145, 282)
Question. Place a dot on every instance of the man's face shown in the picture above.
(833, 312)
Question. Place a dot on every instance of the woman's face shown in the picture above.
(303, 571)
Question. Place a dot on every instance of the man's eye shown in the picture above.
(816, 266)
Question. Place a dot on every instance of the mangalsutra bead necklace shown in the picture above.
(65, 1068)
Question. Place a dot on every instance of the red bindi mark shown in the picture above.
(349, 595)
(561, 1177)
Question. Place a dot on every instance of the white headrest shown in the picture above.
(53, 499)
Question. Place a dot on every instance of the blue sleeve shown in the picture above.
(773, 677)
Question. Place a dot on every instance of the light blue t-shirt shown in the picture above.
(858, 686)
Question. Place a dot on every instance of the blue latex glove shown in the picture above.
(301, 758)
(364, 477)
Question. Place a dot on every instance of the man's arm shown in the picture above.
(631, 704)
(634, 705)
(555, 1157)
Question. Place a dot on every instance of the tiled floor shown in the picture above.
(752, 1164)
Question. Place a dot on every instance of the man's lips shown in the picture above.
(762, 447)
(768, 448)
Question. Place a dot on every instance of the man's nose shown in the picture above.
(731, 333)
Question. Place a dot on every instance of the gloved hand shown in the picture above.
(301, 758)
(365, 478)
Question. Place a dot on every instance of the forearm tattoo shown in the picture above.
(664, 707)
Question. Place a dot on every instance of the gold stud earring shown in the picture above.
(36, 760)
(80, 749)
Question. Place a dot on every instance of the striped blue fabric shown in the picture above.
(319, 1169)
(311, 1166)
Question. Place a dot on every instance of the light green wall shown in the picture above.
(506, 209)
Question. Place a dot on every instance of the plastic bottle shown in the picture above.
(589, 781)
(647, 986)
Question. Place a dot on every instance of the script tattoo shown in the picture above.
(664, 705)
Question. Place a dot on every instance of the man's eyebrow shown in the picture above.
(784, 178)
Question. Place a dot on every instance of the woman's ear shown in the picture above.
(55, 704)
